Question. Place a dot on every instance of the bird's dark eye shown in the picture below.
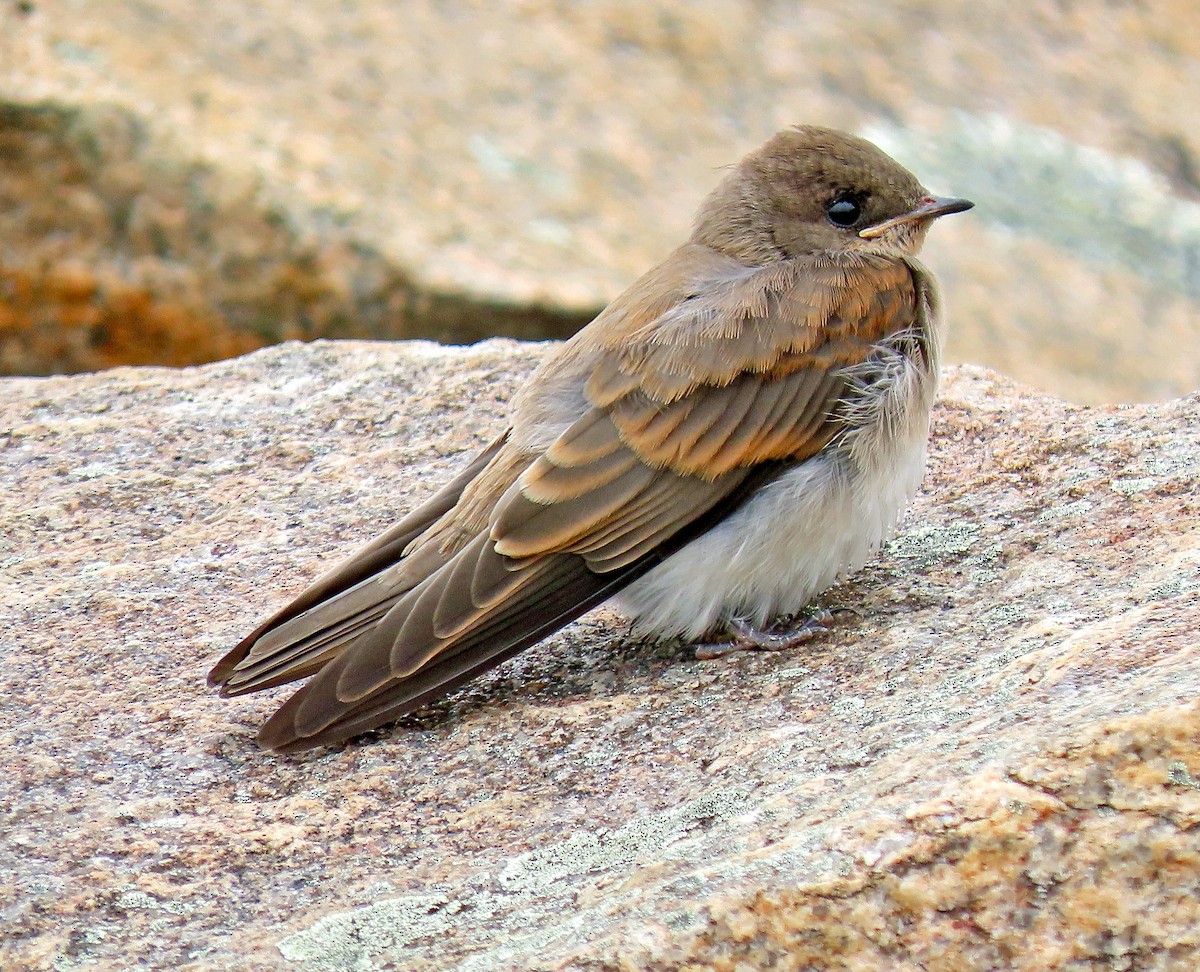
(843, 211)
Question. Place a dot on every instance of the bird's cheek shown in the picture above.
(800, 239)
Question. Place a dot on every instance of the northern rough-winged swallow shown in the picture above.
(738, 428)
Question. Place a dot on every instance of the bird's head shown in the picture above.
(813, 190)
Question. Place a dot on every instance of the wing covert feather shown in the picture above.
(629, 457)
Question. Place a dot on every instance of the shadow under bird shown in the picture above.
(738, 428)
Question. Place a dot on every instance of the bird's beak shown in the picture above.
(931, 208)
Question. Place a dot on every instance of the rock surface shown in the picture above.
(180, 182)
(995, 766)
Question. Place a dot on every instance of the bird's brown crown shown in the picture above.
(806, 191)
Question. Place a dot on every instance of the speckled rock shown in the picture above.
(995, 766)
(183, 181)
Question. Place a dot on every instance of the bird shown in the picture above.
(733, 433)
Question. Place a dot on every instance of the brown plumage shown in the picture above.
(789, 346)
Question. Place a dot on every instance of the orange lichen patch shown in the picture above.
(67, 318)
(1024, 888)
(1053, 866)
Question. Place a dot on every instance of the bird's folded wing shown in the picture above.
(668, 444)
(255, 663)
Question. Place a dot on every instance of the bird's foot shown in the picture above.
(746, 637)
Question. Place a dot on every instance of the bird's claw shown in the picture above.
(749, 638)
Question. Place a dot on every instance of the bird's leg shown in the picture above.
(746, 637)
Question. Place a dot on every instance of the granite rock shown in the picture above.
(183, 181)
(994, 765)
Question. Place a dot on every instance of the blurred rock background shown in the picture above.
(189, 179)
